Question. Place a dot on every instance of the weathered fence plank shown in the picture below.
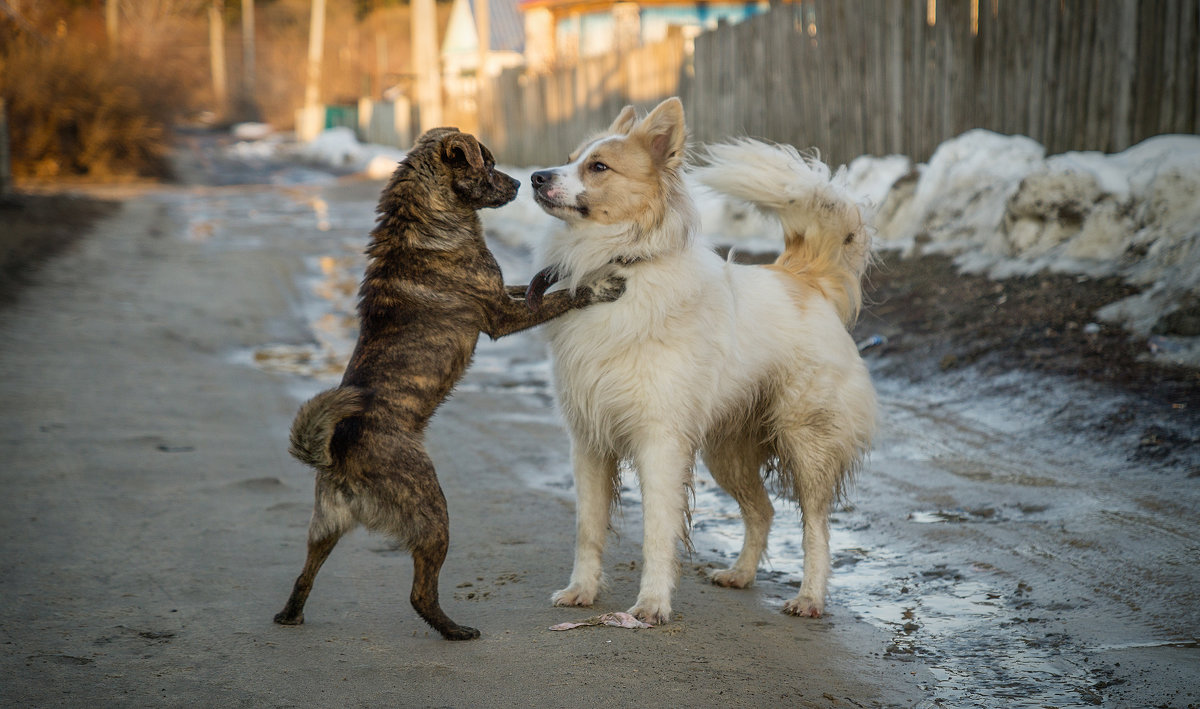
(875, 77)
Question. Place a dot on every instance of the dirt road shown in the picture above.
(1001, 548)
(153, 522)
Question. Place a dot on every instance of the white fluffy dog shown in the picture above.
(750, 365)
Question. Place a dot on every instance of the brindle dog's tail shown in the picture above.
(314, 424)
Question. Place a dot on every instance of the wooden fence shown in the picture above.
(854, 78)
(531, 119)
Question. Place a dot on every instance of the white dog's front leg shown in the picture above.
(595, 478)
(664, 472)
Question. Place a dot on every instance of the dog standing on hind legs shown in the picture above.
(431, 286)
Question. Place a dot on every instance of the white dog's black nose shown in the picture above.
(540, 177)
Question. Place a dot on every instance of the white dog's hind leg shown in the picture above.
(734, 463)
(810, 601)
(664, 468)
(815, 457)
(595, 485)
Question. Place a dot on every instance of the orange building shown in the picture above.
(561, 31)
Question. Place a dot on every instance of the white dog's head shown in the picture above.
(616, 176)
(621, 193)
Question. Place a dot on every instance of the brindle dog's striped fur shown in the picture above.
(431, 286)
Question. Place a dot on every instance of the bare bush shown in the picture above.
(75, 112)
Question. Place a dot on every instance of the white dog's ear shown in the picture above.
(624, 121)
(665, 133)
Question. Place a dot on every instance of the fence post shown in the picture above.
(1122, 115)
(5, 156)
(366, 110)
(402, 122)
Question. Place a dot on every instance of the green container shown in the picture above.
(341, 116)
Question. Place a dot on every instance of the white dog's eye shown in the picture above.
(598, 167)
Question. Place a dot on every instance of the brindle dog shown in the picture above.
(431, 286)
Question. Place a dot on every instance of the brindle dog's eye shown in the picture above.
(599, 167)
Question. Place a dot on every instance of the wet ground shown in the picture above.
(1026, 558)
(1025, 531)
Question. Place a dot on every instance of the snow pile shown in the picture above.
(336, 147)
(872, 178)
(339, 148)
(1000, 206)
(251, 130)
(255, 142)
(959, 198)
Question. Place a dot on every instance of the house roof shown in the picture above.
(597, 5)
(507, 25)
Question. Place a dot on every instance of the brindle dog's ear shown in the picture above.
(461, 149)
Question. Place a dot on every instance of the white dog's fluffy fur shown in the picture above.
(750, 365)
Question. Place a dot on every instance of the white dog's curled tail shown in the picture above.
(827, 243)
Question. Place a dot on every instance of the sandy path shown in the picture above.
(152, 525)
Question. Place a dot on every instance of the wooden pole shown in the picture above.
(249, 101)
(112, 23)
(425, 64)
(483, 78)
(312, 122)
(216, 46)
(483, 21)
(6, 186)
(381, 62)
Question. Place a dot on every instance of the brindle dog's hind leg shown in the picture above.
(331, 519)
(428, 541)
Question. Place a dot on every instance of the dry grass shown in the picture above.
(73, 112)
(79, 108)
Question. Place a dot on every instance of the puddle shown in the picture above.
(981, 515)
(973, 628)
(303, 360)
(330, 309)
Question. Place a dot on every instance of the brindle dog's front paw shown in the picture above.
(607, 290)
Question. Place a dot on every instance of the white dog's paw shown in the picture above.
(732, 578)
(574, 595)
(652, 612)
(804, 607)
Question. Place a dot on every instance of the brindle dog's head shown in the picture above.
(460, 162)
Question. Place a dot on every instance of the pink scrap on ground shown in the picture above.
(619, 619)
